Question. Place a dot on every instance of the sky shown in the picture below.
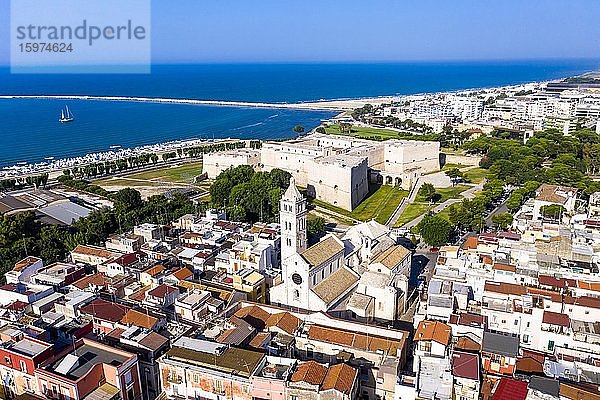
(203, 31)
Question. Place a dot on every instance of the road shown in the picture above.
(423, 263)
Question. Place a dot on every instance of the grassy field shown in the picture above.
(411, 212)
(363, 132)
(446, 167)
(476, 175)
(420, 206)
(379, 205)
(184, 173)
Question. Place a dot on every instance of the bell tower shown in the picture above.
(292, 217)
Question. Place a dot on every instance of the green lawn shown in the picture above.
(182, 173)
(411, 212)
(476, 175)
(379, 205)
(125, 183)
(364, 132)
(452, 192)
(446, 167)
(420, 206)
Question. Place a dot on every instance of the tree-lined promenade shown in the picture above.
(548, 157)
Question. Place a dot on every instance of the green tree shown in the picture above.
(127, 199)
(427, 192)
(434, 230)
(454, 174)
(315, 226)
(502, 221)
(553, 211)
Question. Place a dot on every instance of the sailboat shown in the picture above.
(66, 115)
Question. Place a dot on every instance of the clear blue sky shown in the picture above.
(367, 30)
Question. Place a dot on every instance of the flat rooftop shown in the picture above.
(87, 357)
(29, 347)
(231, 361)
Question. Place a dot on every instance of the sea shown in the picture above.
(30, 131)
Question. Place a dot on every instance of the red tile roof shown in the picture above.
(153, 341)
(510, 389)
(126, 259)
(470, 243)
(467, 344)
(594, 286)
(467, 319)
(284, 321)
(554, 318)
(105, 310)
(584, 301)
(183, 274)
(356, 340)
(340, 377)
(17, 306)
(254, 315)
(310, 372)
(162, 291)
(433, 331)
(155, 270)
(97, 279)
(92, 251)
(520, 290)
(465, 365)
(504, 267)
(558, 283)
(136, 318)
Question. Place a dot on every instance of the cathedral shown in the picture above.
(330, 274)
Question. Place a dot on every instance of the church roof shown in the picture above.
(392, 257)
(292, 191)
(335, 285)
(371, 229)
(320, 252)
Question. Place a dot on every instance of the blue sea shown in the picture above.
(29, 128)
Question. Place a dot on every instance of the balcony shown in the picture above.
(174, 379)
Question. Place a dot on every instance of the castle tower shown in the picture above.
(292, 217)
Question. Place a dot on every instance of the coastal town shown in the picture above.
(440, 246)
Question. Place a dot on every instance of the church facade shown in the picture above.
(314, 278)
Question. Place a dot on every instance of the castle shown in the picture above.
(337, 169)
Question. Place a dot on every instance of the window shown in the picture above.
(219, 388)
(309, 352)
(66, 394)
(525, 338)
(550, 345)
(23, 366)
(425, 346)
(516, 322)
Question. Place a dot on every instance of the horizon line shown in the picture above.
(342, 61)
